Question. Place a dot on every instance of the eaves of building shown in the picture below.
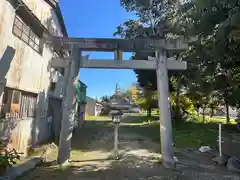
(27, 13)
(58, 12)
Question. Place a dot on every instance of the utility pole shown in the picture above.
(164, 105)
(68, 114)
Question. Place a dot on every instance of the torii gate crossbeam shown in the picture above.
(160, 63)
(172, 63)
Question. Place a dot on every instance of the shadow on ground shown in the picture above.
(111, 171)
(138, 166)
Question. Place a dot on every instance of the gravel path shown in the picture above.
(139, 161)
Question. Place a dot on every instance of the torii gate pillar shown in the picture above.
(165, 113)
(68, 114)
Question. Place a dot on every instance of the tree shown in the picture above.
(144, 97)
(217, 51)
(213, 59)
(153, 23)
(132, 93)
(215, 55)
(147, 100)
(105, 99)
(150, 24)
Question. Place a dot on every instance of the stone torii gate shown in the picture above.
(160, 63)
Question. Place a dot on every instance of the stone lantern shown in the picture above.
(116, 118)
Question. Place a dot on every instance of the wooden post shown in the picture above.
(220, 139)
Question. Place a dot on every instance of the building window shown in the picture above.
(24, 32)
(5, 97)
(19, 102)
(16, 97)
(52, 86)
(62, 71)
(5, 103)
(28, 105)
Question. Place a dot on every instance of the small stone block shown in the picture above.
(234, 164)
(221, 160)
(169, 165)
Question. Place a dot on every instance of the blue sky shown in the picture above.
(97, 18)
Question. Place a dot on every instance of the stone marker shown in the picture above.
(221, 160)
(234, 164)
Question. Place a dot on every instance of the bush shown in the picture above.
(8, 158)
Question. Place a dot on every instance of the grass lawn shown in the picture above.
(191, 135)
(97, 118)
(185, 134)
(215, 119)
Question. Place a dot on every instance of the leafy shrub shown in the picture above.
(8, 158)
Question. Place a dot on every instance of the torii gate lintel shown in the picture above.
(113, 44)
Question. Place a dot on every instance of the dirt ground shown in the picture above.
(91, 160)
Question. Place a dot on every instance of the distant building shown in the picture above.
(93, 107)
(118, 101)
(220, 111)
(81, 102)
